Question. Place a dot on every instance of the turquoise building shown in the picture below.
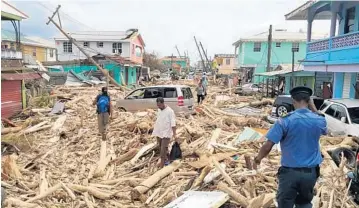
(252, 52)
(338, 54)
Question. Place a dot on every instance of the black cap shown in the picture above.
(300, 90)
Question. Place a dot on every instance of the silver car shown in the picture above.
(178, 97)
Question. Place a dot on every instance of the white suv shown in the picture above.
(342, 116)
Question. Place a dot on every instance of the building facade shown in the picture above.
(339, 53)
(29, 47)
(128, 46)
(225, 63)
(252, 52)
(175, 62)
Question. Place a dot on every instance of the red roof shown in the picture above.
(20, 76)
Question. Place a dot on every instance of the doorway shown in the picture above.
(327, 90)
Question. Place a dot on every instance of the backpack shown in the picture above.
(103, 103)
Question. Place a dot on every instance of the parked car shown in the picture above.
(283, 104)
(354, 177)
(178, 97)
(342, 116)
(248, 89)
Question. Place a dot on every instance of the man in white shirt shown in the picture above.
(164, 129)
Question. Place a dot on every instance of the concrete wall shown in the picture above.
(91, 50)
(279, 55)
(136, 54)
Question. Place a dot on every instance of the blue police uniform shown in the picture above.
(298, 134)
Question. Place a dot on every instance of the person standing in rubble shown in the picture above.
(298, 133)
(104, 111)
(200, 92)
(164, 129)
(204, 83)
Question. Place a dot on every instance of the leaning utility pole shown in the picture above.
(105, 72)
(200, 54)
(269, 54)
(178, 51)
(205, 55)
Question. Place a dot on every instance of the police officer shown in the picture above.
(298, 133)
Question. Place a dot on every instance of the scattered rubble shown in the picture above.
(68, 165)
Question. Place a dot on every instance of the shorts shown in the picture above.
(163, 147)
(102, 119)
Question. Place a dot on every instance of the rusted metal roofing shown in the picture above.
(10, 98)
(20, 76)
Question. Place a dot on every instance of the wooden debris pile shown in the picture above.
(69, 165)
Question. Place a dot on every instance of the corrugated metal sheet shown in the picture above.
(20, 76)
(10, 98)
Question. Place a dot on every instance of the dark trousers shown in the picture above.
(296, 187)
(200, 98)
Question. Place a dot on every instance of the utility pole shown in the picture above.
(292, 75)
(178, 51)
(269, 53)
(200, 54)
(205, 55)
(105, 72)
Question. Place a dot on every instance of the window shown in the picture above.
(34, 52)
(187, 93)
(349, 20)
(337, 112)
(138, 94)
(152, 93)
(67, 47)
(170, 92)
(138, 51)
(354, 115)
(325, 104)
(51, 53)
(86, 44)
(99, 44)
(257, 47)
(295, 47)
(228, 61)
(277, 44)
(117, 48)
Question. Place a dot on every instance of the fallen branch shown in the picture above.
(125, 157)
(240, 199)
(45, 194)
(10, 130)
(142, 152)
(71, 194)
(154, 179)
(223, 172)
(18, 203)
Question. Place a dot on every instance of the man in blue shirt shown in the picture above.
(298, 133)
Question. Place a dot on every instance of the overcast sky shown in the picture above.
(166, 23)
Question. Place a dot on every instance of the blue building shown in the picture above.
(339, 53)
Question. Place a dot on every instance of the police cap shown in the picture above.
(301, 90)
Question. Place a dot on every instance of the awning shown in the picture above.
(301, 13)
(20, 76)
(285, 69)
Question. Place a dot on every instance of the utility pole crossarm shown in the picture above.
(53, 15)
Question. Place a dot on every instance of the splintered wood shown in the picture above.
(70, 166)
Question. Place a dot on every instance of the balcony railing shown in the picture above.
(338, 42)
(10, 54)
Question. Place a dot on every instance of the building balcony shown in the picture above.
(10, 54)
(342, 49)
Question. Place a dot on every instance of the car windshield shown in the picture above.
(354, 114)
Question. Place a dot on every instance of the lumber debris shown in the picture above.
(63, 161)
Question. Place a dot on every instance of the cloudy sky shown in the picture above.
(166, 23)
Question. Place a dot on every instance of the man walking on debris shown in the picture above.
(298, 133)
(164, 129)
(200, 92)
(104, 111)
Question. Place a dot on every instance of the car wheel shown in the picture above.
(282, 110)
(121, 109)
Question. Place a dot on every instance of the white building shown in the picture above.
(129, 46)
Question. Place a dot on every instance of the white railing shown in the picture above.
(10, 54)
(338, 42)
